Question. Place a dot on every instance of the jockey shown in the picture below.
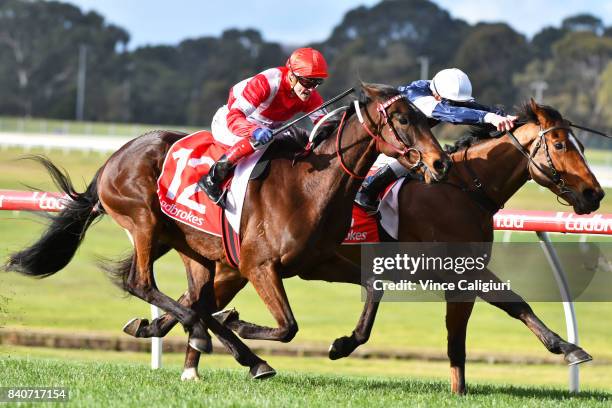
(446, 98)
(259, 104)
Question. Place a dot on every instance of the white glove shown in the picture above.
(502, 123)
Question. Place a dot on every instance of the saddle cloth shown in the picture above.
(180, 197)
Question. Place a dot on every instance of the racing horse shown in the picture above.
(293, 218)
(487, 172)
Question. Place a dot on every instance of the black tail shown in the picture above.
(54, 250)
(119, 271)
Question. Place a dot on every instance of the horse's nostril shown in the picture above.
(439, 165)
(593, 195)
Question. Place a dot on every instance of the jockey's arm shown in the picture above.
(256, 91)
(447, 112)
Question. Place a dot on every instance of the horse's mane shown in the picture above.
(475, 134)
(289, 142)
(480, 133)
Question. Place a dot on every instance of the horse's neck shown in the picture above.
(498, 164)
(358, 152)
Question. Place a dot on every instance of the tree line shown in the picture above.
(184, 84)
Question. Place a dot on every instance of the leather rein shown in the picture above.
(554, 176)
(381, 108)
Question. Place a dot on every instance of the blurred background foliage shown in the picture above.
(186, 83)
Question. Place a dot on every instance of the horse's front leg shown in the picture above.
(266, 280)
(457, 316)
(516, 307)
(340, 269)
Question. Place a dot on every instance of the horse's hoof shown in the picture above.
(190, 374)
(201, 345)
(226, 316)
(577, 356)
(341, 348)
(261, 371)
(134, 326)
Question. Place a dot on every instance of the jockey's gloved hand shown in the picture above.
(262, 135)
(502, 123)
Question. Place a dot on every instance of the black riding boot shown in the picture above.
(211, 182)
(367, 196)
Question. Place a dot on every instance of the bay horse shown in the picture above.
(486, 173)
(292, 222)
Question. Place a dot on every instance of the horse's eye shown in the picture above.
(403, 121)
(559, 146)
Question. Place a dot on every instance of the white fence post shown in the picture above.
(156, 342)
(568, 305)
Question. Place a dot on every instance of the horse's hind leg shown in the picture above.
(228, 282)
(141, 283)
(516, 307)
(159, 327)
(201, 289)
(457, 316)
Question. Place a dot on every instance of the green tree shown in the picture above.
(490, 55)
(39, 43)
(383, 43)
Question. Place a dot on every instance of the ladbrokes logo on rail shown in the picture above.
(48, 202)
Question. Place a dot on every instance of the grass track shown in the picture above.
(129, 384)
(81, 298)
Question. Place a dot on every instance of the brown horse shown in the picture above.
(486, 174)
(294, 218)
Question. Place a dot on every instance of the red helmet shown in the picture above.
(307, 62)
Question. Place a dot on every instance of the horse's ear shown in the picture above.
(373, 91)
(542, 118)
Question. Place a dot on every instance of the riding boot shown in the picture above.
(367, 196)
(211, 183)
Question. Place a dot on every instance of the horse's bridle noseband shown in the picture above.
(554, 176)
(381, 108)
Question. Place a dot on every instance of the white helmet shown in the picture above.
(452, 84)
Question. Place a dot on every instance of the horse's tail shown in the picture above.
(58, 244)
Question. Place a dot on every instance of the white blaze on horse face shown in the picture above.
(572, 138)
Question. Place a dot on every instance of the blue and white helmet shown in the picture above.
(452, 84)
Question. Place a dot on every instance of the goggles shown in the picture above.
(309, 83)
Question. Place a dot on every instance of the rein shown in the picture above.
(382, 112)
(481, 196)
(555, 177)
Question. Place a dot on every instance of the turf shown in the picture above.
(82, 298)
(111, 383)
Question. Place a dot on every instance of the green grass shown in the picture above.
(118, 381)
(82, 298)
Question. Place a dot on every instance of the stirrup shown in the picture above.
(205, 184)
(369, 207)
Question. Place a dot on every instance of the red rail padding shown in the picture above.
(30, 201)
(520, 220)
(513, 220)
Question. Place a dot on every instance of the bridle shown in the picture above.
(384, 120)
(554, 175)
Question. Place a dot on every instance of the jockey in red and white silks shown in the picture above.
(259, 104)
